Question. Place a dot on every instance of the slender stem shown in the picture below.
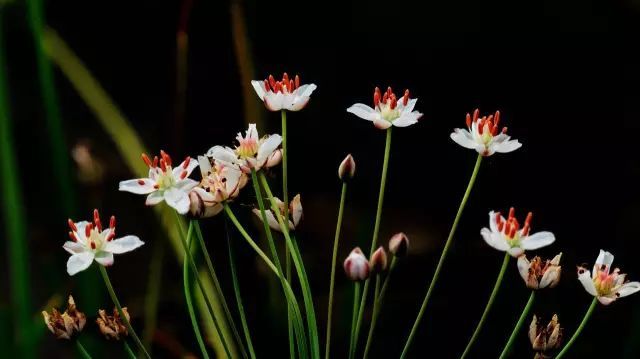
(354, 316)
(83, 352)
(585, 319)
(285, 197)
(153, 293)
(218, 287)
(443, 256)
(115, 300)
(516, 329)
(192, 314)
(487, 308)
(251, 242)
(377, 305)
(236, 290)
(265, 222)
(194, 269)
(334, 258)
(130, 352)
(299, 266)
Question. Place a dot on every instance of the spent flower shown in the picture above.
(505, 234)
(286, 94)
(483, 134)
(538, 274)
(604, 284)
(65, 325)
(388, 110)
(112, 326)
(545, 338)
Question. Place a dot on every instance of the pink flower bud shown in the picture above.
(356, 265)
(399, 244)
(347, 168)
(378, 261)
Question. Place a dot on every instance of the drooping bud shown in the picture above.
(399, 244)
(112, 327)
(356, 266)
(347, 168)
(65, 325)
(378, 261)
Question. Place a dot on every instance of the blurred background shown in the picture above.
(564, 74)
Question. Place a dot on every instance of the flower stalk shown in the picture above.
(377, 304)
(575, 336)
(189, 301)
(285, 197)
(83, 352)
(516, 329)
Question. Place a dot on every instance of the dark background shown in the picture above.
(564, 74)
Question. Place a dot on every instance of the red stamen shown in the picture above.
(476, 113)
(73, 237)
(141, 182)
(96, 220)
(394, 101)
(146, 159)
(155, 161)
(468, 120)
(512, 213)
(266, 85)
(72, 225)
(405, 98)
(111, 235)
(504, 130)
(163, 165)
(272, 82)
(297, 81)
(93, 245)
(497, 118)
(500, 226)
(285, 78)
(185, 164)
(112, 222)
(376, 97)
(166, 158)
(513, 232)
(183, 175)
(385, 97)
(156, 186)
(529, 217)
(481, 126)
(87, 230)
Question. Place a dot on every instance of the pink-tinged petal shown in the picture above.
(154, 198)
(628, 289)
(274, 101)
(271, 219)
(80, 234)
(207, 197)
(494, 240)
(267, 147)
(607, 300)
(381, 124)
(258, 86)
(298, 104)
(410, 105)
(74, 247)
(363, 111)
(123, 245)
(463, 138)
(104, 258)
(523, 268)
(537, 240)
(407, 119)
(584, 276)
(492, 221)
(177, 199)
(305, 90)
(604, 258)
(505, 147)
(79, 262)
(205, 166)
(274, 159)
(515, 252)
(138, 186)
(550, 278)
(296, 210)
(177, 172)
(186, 184)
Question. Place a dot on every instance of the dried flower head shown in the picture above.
(389, 110)
(286, 94)
(483, 134)
(538, 274)
(347, 168)
(399, 244)
(378, 261)
(112, 326)
(545, 339)
(65, 325)
(295, 213)
(356, 266)
(603, 284)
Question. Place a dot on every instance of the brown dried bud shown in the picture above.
(378, 261)
(399, 244)
(65, 325)
(347, 168)
(545, 338)
(112, 327)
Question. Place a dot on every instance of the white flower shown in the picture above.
(388, 110)
(89, 242)
(506, 234)
(165, 183)
(538, 274)
(482, 135)
(295, 212)
(219, 184)
(252, 152)
(356, 266)
(605, 285)
(283, 95)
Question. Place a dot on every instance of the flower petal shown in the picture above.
(74, 247)
(154, 198)
(79, 262)
(138, 186)
(493, 224)
(505, 147)
(273, 101)
(550, 277)
(123, 245)
(494, 240)
(267, 147)
(104, 258)
(186, 184)
(223, 154)
(537, 240)
(381, 124)
(190, 167)
(258, 86)
(628, 289)
(607, 300)
(604, 258)
(523, 267)
(205, 166)
(305, 90)
(407, 119)
(363, 111)
(296, 210)
(177, 199)
(271, 219)
(410, 105)
(515, 252)
(463, 138)
(584, 276)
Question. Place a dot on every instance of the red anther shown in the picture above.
(96, 220)
(297, 81)
(394, 101)
(468, 121)
(525, 229)
(405, 98)
(376, 97)
(110, 236)
(141, 182)
(163, 165)
(476, 113)
(494, 130)
(481, 126)
(512, 213)
(87, 230)
(155, 161)
(497, 118)
(385, 97)
(112, 222)
(504, 130)
(266, 86)
(168, 160)
(156, 186)
(285, 78)
(272, 82)
(389, 90)
(278, 87)
(72, 225)
(513, 232)
(183, 174)
(186, 161)
(93, 245)
(528, 219)
(73, 237)
(146, 159)
(291, 88)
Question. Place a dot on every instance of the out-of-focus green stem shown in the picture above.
(14, 220)
(354, 316)
(127, 349)
(187, 297)
(83, 352)
(153, 294)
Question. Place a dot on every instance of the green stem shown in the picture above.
(218, 287)
(153, 293)
(251, 242)
(83, 352)
(585, 319)
(376, 227)
(236, 290)
(377, 305)
(127, 348)
(192, 313)
(516, 329)
(443, 256)
(334, 258)
(487, 308)
(285, 198)
(354, 316)
(194, 269)
(299, 265)
(116, 302)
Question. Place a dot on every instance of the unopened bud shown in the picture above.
(356, 266)
(347, 168)
(399, 244)
(378, 261)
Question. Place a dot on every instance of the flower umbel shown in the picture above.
(90, 241)
(507, 235)
(295, 211)
(112, 326)
(356, 266)
(220, 183)
(545, 338)
(538, 274)
(603, 284)
(388, 110)
(165, 183)
(251, 152)
(65, 325)
(286, 94)
(483, 134)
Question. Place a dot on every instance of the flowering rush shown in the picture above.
(251, 152)
(505, 234)
(220, 183)
(89, 242)
(388, 110)
(483, 134)
(286, 94)
(165, 183)
(603, 284)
